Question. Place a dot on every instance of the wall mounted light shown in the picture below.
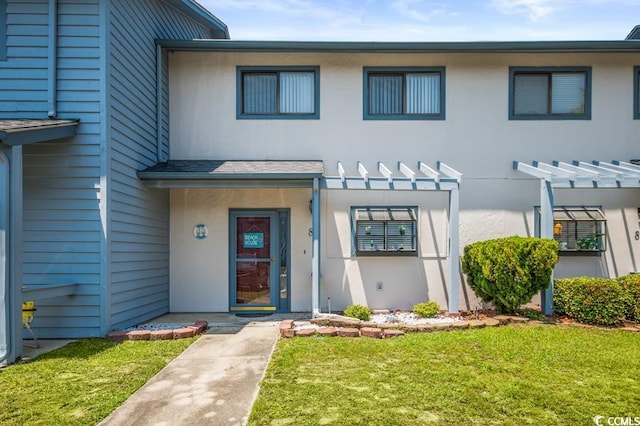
(557, 228)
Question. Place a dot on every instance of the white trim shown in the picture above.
(384, 171)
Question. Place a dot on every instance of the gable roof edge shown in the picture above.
(634, 34)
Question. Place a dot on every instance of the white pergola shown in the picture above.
(577, 174)
(400, 177)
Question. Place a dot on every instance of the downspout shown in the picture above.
(315, 249)
(5, 297)
(159, 83)
(53, 59)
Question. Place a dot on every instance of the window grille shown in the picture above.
(579, 230)
(385, 231)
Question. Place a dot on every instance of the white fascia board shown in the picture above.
(532, 171)
(450, 171)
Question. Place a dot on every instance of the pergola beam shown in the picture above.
(384, 171)
(406, 170)
(363, 172)
(341, 172)
(449, 171)
(428, 171)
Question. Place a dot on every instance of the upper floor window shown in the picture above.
(636, 93)
(278, 92)
(404, 93)
(550, 93)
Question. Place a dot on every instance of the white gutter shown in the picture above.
(53, 59)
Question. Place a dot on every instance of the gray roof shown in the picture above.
(234, 169)
(20, 132)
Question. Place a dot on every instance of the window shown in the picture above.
(380, 231)
(636, 93)
(550, 93)
(278, 92)
(579, 229)
(403, 94)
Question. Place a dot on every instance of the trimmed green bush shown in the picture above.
(358, 311)
(427, 309)
(597, 301)
(631, 286)
(509, 271)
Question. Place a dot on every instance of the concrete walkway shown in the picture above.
(214, 382)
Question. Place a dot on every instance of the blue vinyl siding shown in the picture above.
(23, 72)
(62, 225)
(139, 217)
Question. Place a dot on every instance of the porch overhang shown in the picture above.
(232, 173)
(574, 175)
(23, 132)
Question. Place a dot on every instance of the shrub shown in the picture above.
(427, 309)
(631, 286)
(509, 271)
(598, 301)
(358, 311)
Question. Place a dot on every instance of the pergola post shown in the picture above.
(454, 249)
(15, 249)
(546, 231)
(315, 249)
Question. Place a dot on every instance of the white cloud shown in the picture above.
(533, 9)
(418, 10)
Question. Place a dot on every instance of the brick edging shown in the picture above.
(350, 327)
(190, 330)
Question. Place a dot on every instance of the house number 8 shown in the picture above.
(637, 236)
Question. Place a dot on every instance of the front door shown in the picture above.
(259, 278)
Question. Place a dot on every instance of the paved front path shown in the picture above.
(214, 382)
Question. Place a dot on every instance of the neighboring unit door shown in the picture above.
(259, 267)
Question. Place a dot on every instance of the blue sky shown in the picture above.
(426, 20)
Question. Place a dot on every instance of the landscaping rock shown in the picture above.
(197, 329)
(181, 333)
(139, 335)
(492, 322)
(518, 320)
(285, 324)
(442, 327)
(392, 333)
(305, 332)
(320, 321)
(117, 336)
(407, 328)
(503, 319)
(287, 332)
(371, 332)
(344, 322)
(161, 335)
(427, 328)
(460, 325)
(328, 331)
(349, 332)
(477, 324)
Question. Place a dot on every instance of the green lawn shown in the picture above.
(537, 375)
(81, 383)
